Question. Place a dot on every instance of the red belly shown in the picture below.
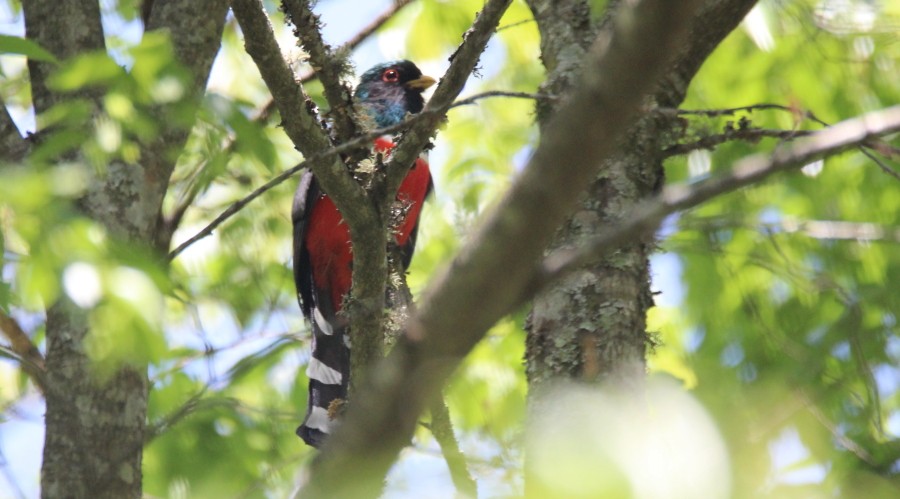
(328, 237)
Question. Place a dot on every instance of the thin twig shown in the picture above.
(646, 217)
(816, 229)
(373, 26)
(351, 144)
(709, 142)
(885, 168)
(734, 110)
(839, 434)
(515, 24)
(748, 134)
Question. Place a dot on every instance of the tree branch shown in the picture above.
(278, 179)
(297, 112)
(746, 134)
(266, 109)
(834, 230)
(195, 30)
(752, 133)
(486, 279)
(300, 122)
(30, 357)
(12, 145)
(373, 26)
(832, 140)
(329, 66)
(358, 141)
(442, 430)
(462, 64)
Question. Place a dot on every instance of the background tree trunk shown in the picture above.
(592, 325)
(95, 428)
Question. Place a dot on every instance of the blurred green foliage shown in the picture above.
(786, 336)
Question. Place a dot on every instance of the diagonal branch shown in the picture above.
(298, 116)
(462, 64)
(752, 135)
(12, 146)
(362, 35)
(30, 357)
(486, 279)
(278, 179)
(336, 150)
(442, 429)
(172, 220)
(646, 218)
(329, 67)
(373, 26)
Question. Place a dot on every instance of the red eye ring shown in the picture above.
(390, 76)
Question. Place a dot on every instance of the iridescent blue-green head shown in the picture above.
(390, 90)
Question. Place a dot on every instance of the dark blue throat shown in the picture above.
(388, 104)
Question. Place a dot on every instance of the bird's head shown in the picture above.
(390, 90)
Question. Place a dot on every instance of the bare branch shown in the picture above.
(490, 273)
(297, 113)
(333, 151)
(278, 179)
(265, 110)
(329, 67)
(12, 145)
(462, 64)
(754, 133)
(373, 26)
(816, 229)
(502, 93)
(442, 429)
(885, 168)
(832, 140)
(30, 357)
(748, 134)
(753, 107)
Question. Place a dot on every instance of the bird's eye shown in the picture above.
(390, 76)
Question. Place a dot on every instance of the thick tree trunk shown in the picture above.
(95, 427)
(591, 326)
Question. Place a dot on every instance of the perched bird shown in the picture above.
(322, 254)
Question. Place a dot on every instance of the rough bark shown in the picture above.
(591, 325)
(95, 427)
(65, 28)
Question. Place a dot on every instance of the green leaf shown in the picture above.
(22, 46)
(91, 69)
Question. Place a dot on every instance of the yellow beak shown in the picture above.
(421, 83)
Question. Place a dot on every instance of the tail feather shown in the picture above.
(329, 373)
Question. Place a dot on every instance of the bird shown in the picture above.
(323, 256)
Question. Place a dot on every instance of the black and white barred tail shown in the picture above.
(329, 373)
